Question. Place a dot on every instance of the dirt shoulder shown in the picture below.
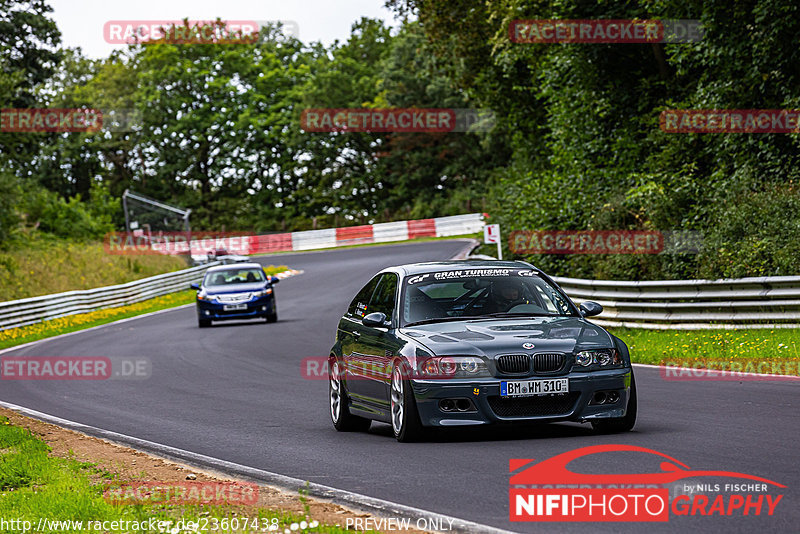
(131, 465)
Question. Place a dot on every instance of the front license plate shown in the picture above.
(529, 388)
(234, 307)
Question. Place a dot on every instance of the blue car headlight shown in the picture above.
(262, 293)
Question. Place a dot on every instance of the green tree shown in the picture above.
(215, 118)
(75, 161)
(431, 174)
(28, 38)
(583, 123)
(340, 168)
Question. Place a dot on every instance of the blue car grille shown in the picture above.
(235, 298)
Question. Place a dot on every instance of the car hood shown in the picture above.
(503, 336)
(238, 288)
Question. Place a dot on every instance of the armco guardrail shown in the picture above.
(36, 309)
(32, 310)
(759, 302)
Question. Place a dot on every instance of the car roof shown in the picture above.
(231, 266)
(454, 265)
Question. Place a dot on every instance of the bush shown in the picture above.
(47, 211)
(758, 234)
(9, 198)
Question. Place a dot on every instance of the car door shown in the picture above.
(350, 332)
(379, 345)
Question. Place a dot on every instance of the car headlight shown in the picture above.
(202, 296)
(454, 367)
(263, 293)
(599, 359)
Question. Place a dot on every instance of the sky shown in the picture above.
(81, 21)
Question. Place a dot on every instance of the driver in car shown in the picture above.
(505, 294)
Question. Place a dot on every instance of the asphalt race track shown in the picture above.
(235, 392)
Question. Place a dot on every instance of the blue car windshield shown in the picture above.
(481, 293)
(233, 276)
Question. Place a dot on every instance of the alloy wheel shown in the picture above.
(335, 392)
(397, 401)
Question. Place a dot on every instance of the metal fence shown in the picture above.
(32, 310)
(758, 302)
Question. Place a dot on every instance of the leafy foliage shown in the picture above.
(577, 143)
(588, 153)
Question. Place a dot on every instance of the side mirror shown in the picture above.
(195, 286)
(374, 319)
(274, 280)
(590, 309)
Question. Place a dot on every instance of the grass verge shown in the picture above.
(46, 265)
(71, 323)
(657, 346)
(68, 494)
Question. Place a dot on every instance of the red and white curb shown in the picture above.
(288, 273)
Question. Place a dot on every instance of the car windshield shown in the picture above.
(475, 293)
(228, 277)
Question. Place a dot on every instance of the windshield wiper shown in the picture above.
(520, 314)
(438, 320)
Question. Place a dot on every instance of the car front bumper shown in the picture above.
(488, 407)
(256, 308)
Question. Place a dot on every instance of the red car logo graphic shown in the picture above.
(554, 470)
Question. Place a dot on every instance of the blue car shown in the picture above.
(233, 292)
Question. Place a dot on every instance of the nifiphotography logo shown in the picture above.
(549, 491)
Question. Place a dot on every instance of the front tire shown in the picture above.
(620, 424)
(273, 317)
(406, 424)
(342, 419)
(203, 323)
